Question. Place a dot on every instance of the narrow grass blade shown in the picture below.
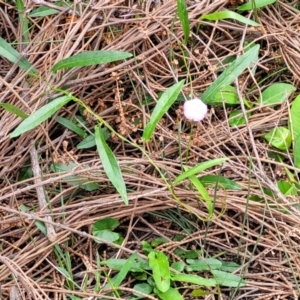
(40, 115)
(7, 51)
(297, 152)
(184, 19)
(231, 73)
(255, 4)
(44, 11)
(90, 58)
(70, 125)
(227, 14)
(203, 192)
(199, 168)
(162, 106)
(110, 165)
(23, 21)
(13, 109)
(124, 271)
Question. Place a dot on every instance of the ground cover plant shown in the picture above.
(149, 150)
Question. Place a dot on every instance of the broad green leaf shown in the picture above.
(70, 125)
(297, 152)
(90, 58)
(228, 279)
(170, 294)
(231, 73)
(227, 14)
(286, 188)
(221, 181)
(178, 266)
(106, 223)
(236, 118)
(280, 138)
(295, 118)
(162, 106)
(159, 264)
(144, 288)
(276, 94)
(117, 264)
(199, 168)
(23, 21)
(184, 19)
(227, 95)
(205, 264)
(41, 115)
(13, 109)
(110, 164)
(106, 235)
(228, 266)
(257, 4)
(86, 143)
(124, 270)
(42, 11)
(7, 51)
(195, 279)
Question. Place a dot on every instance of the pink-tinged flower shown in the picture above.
(194, 110)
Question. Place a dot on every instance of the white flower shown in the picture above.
(194, 110)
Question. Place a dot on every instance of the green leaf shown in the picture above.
(75, 180)
(144, 288)
(286, 188)
(227, 14)
(295, 118)
(110, 165)
(178, 266)
(276, 94)
(280, 138)
(228, 279)
(7, 51)
(124, 270)
(221, 181)
(23, 21)
(184, 19)
(170, 294)
(195, 279)
(106, 223)
(231, 73)
(13, 109)
(227, 95)
(203, 192)
(228, 266)
(205, 264)
(106, 235)
(255, 4)
(159, 264)
(162, 106)
(117, 264)
(297, 152)
(199, 168)
(42, 11)
(236, 118)
(70, 125)
(90, 58)
(88, 142)
(41, 115)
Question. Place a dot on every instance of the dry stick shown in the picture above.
(51, 234)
